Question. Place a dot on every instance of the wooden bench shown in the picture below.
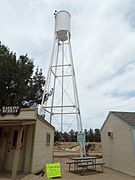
(83, 166)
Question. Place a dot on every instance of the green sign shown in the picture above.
(53, 170)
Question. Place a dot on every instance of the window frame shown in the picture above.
(48, 139)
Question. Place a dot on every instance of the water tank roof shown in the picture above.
(63, 11)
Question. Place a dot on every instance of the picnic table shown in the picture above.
(81, 165)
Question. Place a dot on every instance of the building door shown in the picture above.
(10, 150)
(3, 141)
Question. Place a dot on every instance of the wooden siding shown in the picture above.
(25, 114)
(36, 152)
(133, 138)
(42, 153)
(28, 148)
(118, 152)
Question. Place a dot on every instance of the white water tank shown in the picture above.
(62, 25)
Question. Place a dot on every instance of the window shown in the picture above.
(110, 134)
(14, 143)
(48, 138)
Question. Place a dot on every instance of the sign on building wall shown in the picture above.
(53, 170)
(10, 110)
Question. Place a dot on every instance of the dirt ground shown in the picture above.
(62, 156)
(107, 175)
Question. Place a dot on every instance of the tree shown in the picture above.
(73, 137)
(57, 136)
(66, 137)
(24, 78)
(38, 82)
(90, 135)
(7, 76)
(97, 135)
(19, 85)
(86, 135)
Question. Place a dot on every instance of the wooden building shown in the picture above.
(118, 141)
(26, 142)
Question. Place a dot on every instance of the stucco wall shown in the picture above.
(118, 152)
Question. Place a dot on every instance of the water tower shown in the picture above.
(60, 98)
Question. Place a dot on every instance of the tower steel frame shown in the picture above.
(54, 75)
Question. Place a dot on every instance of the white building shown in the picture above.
(118, 141)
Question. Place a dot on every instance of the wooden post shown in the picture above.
(17, 153)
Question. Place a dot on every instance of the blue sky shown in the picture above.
(103, 45)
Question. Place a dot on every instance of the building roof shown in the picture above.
(26, 116)
(128, 117)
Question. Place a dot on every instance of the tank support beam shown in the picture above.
(61, 70)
